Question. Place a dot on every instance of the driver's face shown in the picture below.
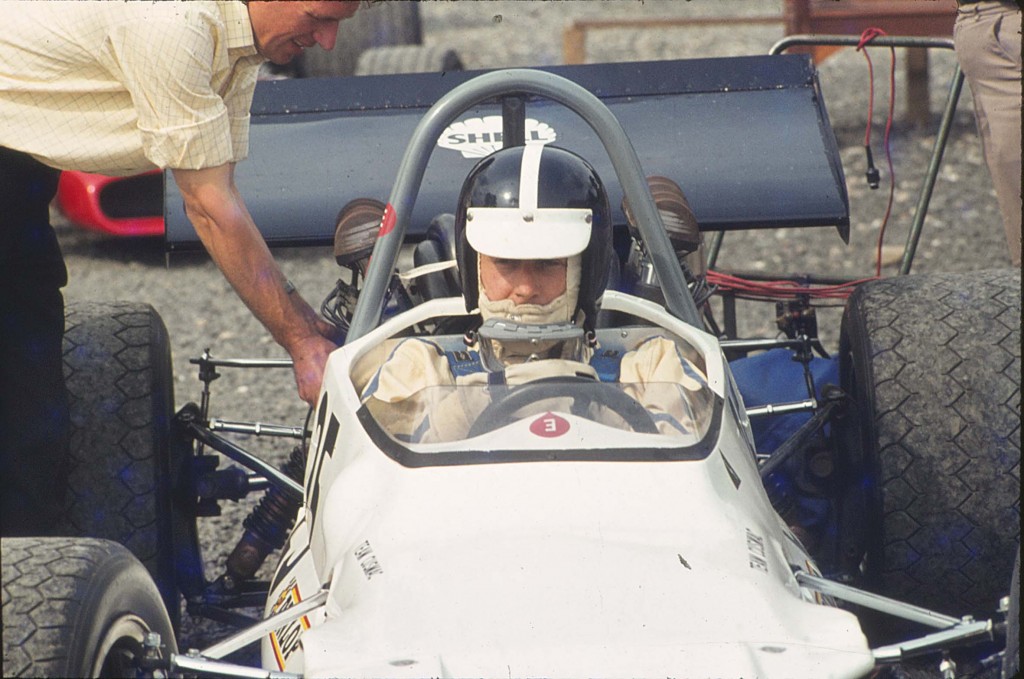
(524, 281)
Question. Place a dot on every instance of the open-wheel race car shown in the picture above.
(773, 512)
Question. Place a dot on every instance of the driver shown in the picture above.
(534, 247)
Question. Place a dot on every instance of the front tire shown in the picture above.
(77, 608)
(932, 363)
(117, 366)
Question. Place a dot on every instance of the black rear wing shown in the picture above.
(747, 138)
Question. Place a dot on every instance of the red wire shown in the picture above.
(785, 289)
(866, 37)
(888, 159)
(781, 289)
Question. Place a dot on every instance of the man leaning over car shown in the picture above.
(119, 88)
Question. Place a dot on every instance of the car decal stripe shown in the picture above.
(529, 176)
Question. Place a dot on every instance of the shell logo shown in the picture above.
(479, 137)
(549, 426)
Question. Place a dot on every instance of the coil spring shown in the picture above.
(267, 526)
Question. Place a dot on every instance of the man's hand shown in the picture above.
(309, 354)
(309, 357)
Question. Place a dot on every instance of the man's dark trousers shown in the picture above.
(34, 419)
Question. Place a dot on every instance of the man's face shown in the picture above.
(283, 29)
(524, 281)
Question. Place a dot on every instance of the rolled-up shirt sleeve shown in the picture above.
(192, 105)
(122, 87)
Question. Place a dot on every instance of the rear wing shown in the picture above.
(747, 138)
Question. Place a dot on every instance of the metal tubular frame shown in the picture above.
(953, 630)
(876, 602)
(267, 625)
(242, 362)
(501, 83)
(258, 429)
(199, 666)
(203, 435)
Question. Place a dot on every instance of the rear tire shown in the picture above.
(117, 366)
(932, 363)
(407, 59)
(379, 25)
(77, 608)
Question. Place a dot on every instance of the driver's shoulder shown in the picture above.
(412, 364)
(659, 357)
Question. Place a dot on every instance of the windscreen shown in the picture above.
(576, 410)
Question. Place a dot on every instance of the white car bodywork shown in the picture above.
(664, 565)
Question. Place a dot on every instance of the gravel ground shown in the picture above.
(962, 232)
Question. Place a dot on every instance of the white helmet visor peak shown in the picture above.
(528, 231)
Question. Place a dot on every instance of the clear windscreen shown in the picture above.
(550, 407)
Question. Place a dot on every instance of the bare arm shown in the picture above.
(227, 230)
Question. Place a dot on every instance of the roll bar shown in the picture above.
(514, 82)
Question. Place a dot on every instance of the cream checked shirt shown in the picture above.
(118, 88)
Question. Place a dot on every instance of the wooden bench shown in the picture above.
(915, 18)
(921, 18)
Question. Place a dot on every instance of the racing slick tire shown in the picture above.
(932, 366)
(407, 59)
(117, 367)
(378, 25)
(77, 607)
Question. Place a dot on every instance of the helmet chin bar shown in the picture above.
(503, 341)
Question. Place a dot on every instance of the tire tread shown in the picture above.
(40, 579)
(945, 360)
(125, 480)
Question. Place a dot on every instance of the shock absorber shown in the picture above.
(266, 527)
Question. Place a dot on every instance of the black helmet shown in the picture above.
(535, 202)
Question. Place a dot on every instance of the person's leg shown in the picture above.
(34, 420)
(988, 46)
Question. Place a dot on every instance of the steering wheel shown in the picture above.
(582, 391)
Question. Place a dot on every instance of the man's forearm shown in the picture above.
(229, 234)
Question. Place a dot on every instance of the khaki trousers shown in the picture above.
(987, 37)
